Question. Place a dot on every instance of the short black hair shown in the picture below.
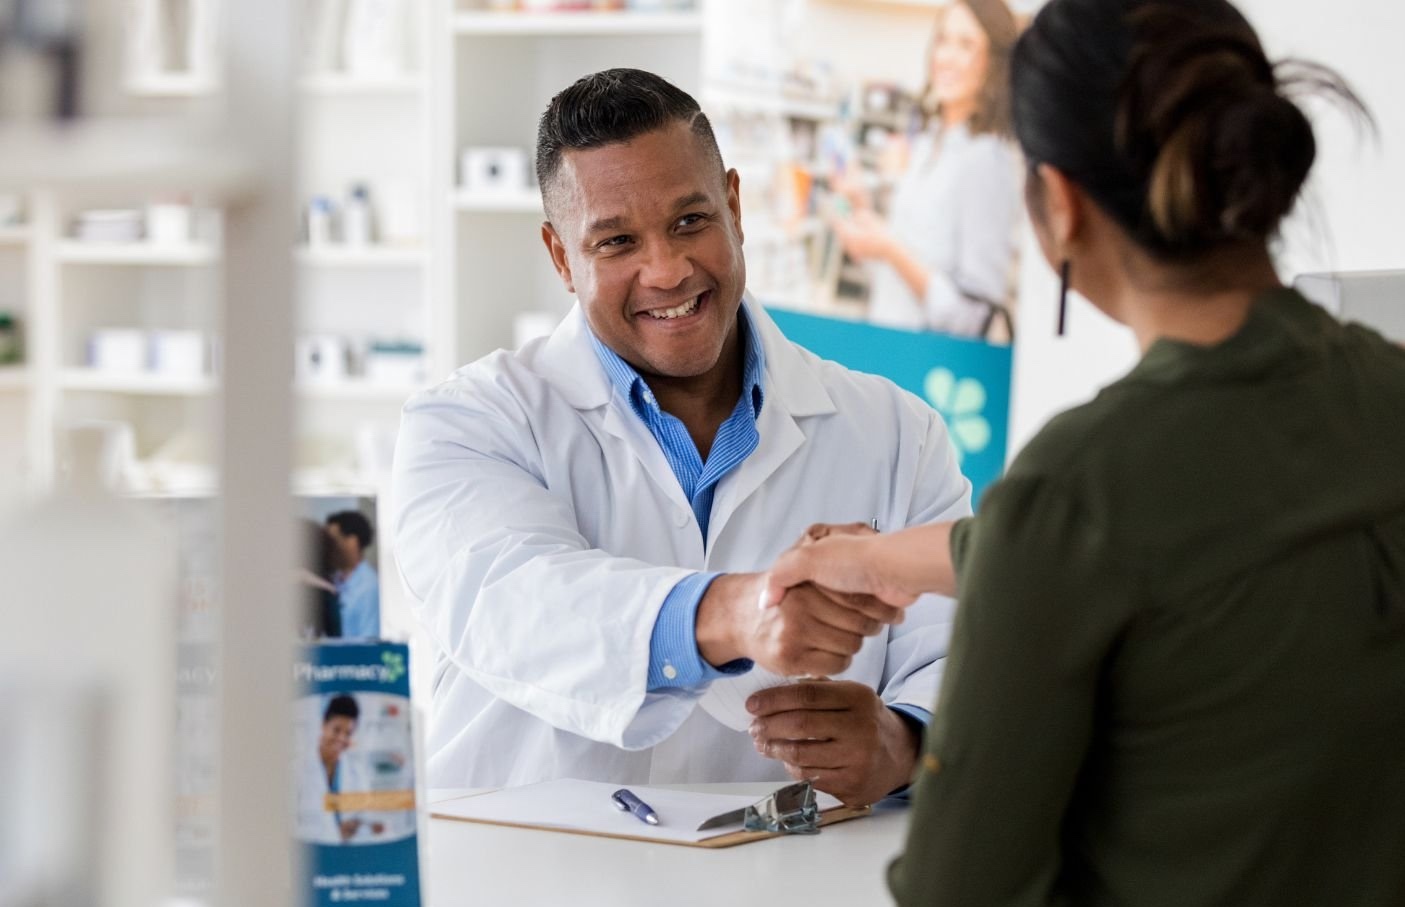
(609, 107)
(352, 522)
(342, 705)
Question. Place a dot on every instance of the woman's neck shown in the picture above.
(1204, 305)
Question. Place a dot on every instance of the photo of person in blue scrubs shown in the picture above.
(358, 584)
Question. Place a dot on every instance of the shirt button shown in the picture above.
(670, 672)
(680, 518)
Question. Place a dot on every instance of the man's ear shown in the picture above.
(734, 201)
(557, 250)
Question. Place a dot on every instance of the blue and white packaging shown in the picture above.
(354, 771)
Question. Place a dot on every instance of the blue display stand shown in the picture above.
(967, 381)
(359, 827)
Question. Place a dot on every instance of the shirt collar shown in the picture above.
(633, 388)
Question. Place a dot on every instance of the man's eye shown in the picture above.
(690, 220)
(614, 241)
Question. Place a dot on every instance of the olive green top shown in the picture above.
(1178, 671)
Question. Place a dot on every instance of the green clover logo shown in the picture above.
(394, 666)
(960, 403)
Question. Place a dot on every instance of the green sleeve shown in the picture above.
(1039, 609)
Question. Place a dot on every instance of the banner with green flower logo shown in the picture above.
(967, 381)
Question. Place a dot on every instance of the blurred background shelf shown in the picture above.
(369, 257)
(357, 390)
(14, 378)
(341, 85)
(172, 85)
(581, 23)
(136, 153)
(87, 379)
(14, 236)
(522, 201)
(136, 253)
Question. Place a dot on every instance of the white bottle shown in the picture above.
(374, 42)
(358, 223)
(319, 222)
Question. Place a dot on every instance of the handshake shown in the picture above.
(810, 613)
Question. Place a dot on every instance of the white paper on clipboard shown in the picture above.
(726, 699)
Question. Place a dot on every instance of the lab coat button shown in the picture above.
(670, 672)
(680, 518)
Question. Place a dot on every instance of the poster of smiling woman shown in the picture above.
(882, 194)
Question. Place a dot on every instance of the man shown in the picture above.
(358, 585)
(580, 522)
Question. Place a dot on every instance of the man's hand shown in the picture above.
(807, 633)
(836, 734)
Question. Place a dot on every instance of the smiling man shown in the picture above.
(581, 523)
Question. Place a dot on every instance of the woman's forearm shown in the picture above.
(917, 559)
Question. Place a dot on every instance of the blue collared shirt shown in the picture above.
(674, 659)
(359, 593)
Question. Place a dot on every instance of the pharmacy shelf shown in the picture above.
(140, 155)
(522, 201)
(92, 380)
(339, 84)
(578, 23)
(366, 257)
(357, 390)
(77, 252)
(14, 378)
(14, 236)
(89, 379)
(172, 85)
(735, 98)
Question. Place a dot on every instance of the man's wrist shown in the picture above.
(721, 617)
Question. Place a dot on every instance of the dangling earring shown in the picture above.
(1063, 296)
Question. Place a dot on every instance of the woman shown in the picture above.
(1178, 668)
(325, 771)
(943, 259)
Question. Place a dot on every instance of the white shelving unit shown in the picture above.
(523, 201)
(367, 257)
(137, 254)
(137, 384)
(608, 24)
(14, 378)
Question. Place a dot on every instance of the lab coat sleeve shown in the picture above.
(917, 647)
(500, 575)
(986, 209)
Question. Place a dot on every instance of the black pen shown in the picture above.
(624, 799)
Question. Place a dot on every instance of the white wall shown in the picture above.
(1353, 217)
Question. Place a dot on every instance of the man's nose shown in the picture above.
(665, 266)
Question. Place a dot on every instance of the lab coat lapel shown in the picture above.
(568, 361)
(794, 389)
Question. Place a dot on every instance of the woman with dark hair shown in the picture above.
(1178, 667)
(943, 258)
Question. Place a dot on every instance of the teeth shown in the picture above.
(686, 308)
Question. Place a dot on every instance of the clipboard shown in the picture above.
(578, 807)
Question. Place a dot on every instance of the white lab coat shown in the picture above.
(315, 824)
(539, 529)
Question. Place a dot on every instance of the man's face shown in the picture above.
(647, 234)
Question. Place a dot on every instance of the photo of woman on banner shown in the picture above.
(942, 259)
(327, 769)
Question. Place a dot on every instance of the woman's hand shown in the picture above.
(865, 235)
(895, 568)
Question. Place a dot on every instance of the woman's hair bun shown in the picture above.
(1205, 118)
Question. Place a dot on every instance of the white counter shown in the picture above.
(473, 865)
